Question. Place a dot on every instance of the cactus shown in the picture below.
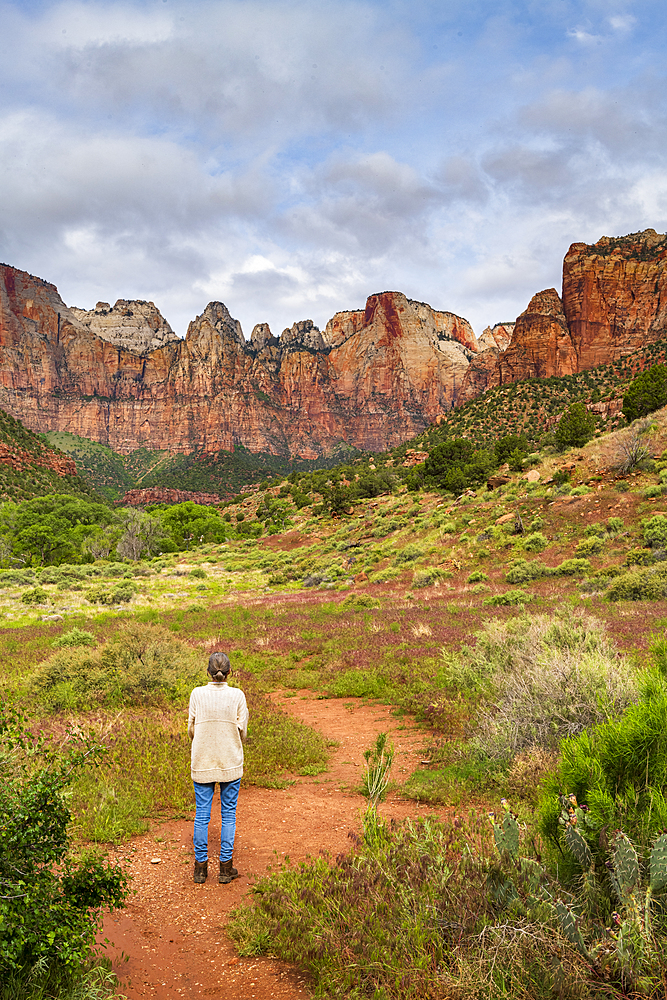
(506, 835)
(658, 870)
(570, 927)
(578, 847)
(627, 948)
(625, 872)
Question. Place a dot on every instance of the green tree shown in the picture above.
(192, 523)
(576, 427)
(49, 901)
(51, 529)
(646, 393)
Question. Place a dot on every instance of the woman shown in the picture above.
(217, 725)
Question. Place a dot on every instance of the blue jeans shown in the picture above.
(229, 793)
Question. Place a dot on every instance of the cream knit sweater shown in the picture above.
(217, 723)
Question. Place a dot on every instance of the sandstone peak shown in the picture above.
(303, 335)
(497, 337)
(132, 324)
(262, 337)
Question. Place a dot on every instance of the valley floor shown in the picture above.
(170, 941)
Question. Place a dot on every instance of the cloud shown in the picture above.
(292, 158)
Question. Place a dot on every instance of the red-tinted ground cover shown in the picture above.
(172, 932)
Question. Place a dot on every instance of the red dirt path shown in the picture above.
(170, 941)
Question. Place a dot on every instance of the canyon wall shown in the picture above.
(371, 379)
(614, 301)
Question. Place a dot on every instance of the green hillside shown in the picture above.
(22, 474)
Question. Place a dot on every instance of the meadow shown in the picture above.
(522, 626)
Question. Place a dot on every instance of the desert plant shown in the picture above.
(542, 678)
(375, 778)
(632, 448)
(36, 595)
(509, 598)
(75, 637)
(535, 542)
(648, 584)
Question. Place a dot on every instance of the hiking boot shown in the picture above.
(227, 872)
(201, 871)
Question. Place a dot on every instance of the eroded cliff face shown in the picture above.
(133, 324)
(373, 378)
(614, 301)
(615, 295)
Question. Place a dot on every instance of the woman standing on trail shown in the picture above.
(217, 725)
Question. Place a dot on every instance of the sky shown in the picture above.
(291, 158)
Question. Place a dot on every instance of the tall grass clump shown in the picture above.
(540, 679)
(375, 778)
(422, 912)
(618, 770)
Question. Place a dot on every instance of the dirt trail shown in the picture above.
(170, 941)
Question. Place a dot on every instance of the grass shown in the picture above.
(409, 913)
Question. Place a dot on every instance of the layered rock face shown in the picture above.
(135, 325)
(614, 301)
(372, 379)
(615, 295)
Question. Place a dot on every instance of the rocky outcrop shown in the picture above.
(614, 301)
(159, 494)
(22, 461)
(134, 325)
(374, 378)
(615, 295)
(496, 337)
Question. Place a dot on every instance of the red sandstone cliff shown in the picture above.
(614, 301)
(374, 378)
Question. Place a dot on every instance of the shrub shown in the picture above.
(16, 577)
(36, 595)
(655, 531)
(120, 594)
(425, 577)
(75, 637)
(522, 571)
(509, 598)
(360, 602)
(639, 585)
(408, 554)
(142, 665)
(652, 492)
(50, 903)
(639, 557)
(535, 542)
(632, 449)
(198, 573)
(477, 576)
(615, 525)
(546, 678)
(385, 575)
(589, 546)
(571, 567)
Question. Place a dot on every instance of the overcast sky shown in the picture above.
(291, 158)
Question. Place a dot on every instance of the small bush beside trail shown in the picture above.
(50, 901)
(542, 679)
